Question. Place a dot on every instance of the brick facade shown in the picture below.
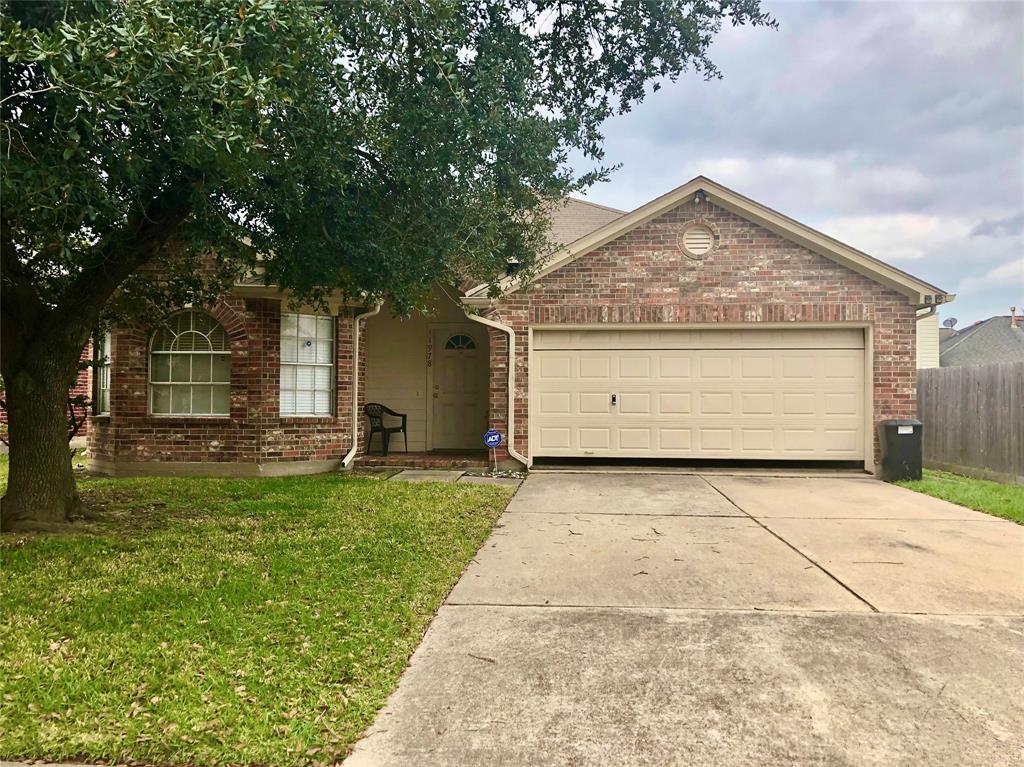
(254, 436)
(753, 275)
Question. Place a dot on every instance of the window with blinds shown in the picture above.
(190, 367)
(307, 364)
(101, 376)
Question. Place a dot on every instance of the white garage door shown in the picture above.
(740, 394)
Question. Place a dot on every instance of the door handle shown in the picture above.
(615, 399)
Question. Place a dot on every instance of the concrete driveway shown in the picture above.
(638, 619)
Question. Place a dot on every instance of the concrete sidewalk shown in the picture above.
(663, 620)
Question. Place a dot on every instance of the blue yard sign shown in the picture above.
(492, 438)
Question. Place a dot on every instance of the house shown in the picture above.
(702, 325)
(997, 339)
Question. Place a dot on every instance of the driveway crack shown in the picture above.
(790, 545)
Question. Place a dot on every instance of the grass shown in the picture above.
(999, 500)
(214, 621)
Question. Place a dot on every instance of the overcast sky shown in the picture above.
(897, 128)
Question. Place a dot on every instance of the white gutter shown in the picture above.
(355, 383)
(507, 330)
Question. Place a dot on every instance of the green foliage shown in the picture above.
(995, 498)
(206, 621)
(372, 147)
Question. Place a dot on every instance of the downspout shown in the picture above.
(347, 460)
(507, 330)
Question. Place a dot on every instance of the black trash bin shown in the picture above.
(901, 449)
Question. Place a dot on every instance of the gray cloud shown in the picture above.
(897, 127)
(1013, 226)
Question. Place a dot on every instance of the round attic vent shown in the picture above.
(698, 240)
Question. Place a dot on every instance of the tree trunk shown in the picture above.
(41, 485)
(41, 344)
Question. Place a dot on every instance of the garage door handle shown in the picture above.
(615, 398)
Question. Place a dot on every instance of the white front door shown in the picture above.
(459, 387)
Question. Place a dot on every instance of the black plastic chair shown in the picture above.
(375, 411)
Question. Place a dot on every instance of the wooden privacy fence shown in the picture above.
(973, 419)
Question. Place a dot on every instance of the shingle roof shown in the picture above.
(574, 218)
(983, 343)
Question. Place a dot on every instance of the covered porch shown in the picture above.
(434, 369)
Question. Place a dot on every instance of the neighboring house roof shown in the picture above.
(984, 343)
(918, 291)
(573, 218)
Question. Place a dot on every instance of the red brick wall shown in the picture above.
(752, 275)
(254, 432)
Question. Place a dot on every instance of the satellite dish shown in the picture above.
(950, 323)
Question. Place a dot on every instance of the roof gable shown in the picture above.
(917, 291)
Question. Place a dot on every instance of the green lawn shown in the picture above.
(993, 498)
(208, 621)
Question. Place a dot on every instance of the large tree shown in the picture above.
(150, 149)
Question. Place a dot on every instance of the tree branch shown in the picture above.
(382, 171)
(126, 251)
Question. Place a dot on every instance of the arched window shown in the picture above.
(190, 367)
(460, 341)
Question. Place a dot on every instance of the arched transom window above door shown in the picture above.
(460, 341)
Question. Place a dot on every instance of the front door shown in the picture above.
(459, 382)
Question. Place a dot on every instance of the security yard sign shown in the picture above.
(492, 438)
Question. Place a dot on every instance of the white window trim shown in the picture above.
(150, 383)
(331, 366)
(101, 374)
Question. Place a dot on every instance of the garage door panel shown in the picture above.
(794, 401)
(634, 366)
(757, 368)
(555, 366)
(674, 438)
(757, 440)
(594, 403)
(595, 437)
(674, 403)
(715, 440)
(842, 367)
(675, 366)
(758, 403)
(554, 438)
(715, 367)
(599, 367)
(635, 438)
(799, 403)
(635, 403)
(555, 403)
(799, 441)
(716, 403)
(840, 441)
(842, 404)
